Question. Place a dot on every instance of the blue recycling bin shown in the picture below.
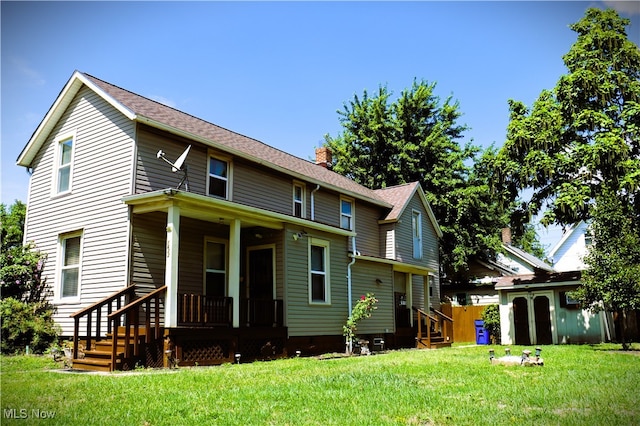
(482, 335)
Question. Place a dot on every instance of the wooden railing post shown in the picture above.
(76, 332)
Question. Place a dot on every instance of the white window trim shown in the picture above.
(204, 263)
(56, 163)
(229, 177)
(352, 216)
(60, 267)
(327, 272)
(420, 253)
(303, 200)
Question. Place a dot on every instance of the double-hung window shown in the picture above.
(64, 164)
(319, 282)
(346, 213)
(299, 200)
(215, 268)
(70, 261)
(219, 173)
(416, 225)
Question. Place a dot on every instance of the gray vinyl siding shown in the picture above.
(430, 253)
(256, 186)
(364, 275)
(153, 174)
(304, 319)
(148, 251)
(367, 228)
(101, 176)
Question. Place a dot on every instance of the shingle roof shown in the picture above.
(398, 196)
(528, 258)
(155, 113)
(539, 278)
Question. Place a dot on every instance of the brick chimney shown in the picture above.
(506, 236)
(323, 156)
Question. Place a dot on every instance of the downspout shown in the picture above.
(349, 298)
(313, 204)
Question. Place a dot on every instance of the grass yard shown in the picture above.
(579, 385)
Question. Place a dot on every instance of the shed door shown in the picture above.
(533, 316)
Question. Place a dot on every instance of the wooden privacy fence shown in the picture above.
(464, 328)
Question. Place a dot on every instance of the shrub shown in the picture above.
(26, 324)
(491, 317)
(363, 309)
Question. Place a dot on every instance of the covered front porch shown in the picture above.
(215, 269)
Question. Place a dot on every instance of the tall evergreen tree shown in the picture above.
(417, 138)
(582, 137)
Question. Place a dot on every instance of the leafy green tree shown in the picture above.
(12, 225)
(582, 137)
(578, 151)
(27, 315)
(417, 138)
(612, 281)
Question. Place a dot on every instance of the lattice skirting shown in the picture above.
(204, 351)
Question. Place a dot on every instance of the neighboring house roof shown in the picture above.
(542, 279)
(527, 258)
(399, 196)
(155, 114)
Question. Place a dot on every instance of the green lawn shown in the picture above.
(579, 385)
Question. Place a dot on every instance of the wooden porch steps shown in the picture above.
(99, 358)
(437, 341)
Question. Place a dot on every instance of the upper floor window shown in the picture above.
(346, 214)
(70, 261)
(299, 200)
(218, 184)
(64, 163)
(416, 229)
(319, 289)
(215, 254)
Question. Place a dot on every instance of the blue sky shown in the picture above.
(279, 71)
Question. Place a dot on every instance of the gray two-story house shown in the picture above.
(239, 251)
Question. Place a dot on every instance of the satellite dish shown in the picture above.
(178, 166)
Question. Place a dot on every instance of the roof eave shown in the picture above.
(56, 111)
(237, 153)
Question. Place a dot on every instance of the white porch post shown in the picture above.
(234, 269)
(171, 267)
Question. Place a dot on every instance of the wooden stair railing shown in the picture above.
(121, 298)
(131, 313)
(441, 324)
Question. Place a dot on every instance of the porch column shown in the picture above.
(410, 296)
(171, 267)
(234, 269)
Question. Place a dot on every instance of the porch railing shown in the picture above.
(109, 304)
(262, 312)
(198, 310)
(437, 324)
(129, 318)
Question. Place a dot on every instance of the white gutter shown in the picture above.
(313, 204)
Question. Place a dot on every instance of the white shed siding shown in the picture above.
(103, 147)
